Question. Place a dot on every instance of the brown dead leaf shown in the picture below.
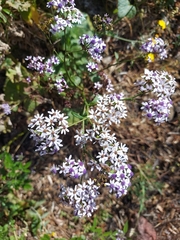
(146, 230)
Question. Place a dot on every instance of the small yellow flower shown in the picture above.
(162, 24)
(150, 57)
(53, 234)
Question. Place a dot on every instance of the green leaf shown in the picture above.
(3, 17)
(11, 73)
(7, 11)
(45, 237)
(14, 91)
(94, 101)
(8, 162)
(126, 227)
(7, 63)
(73, 117)
(77, 115)
(30, 105)
(125, 9)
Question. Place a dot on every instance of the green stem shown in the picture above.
(7, 146)
(133, 97)
(121, 38)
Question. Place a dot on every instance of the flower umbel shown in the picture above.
(95, 46)
(82, 198)
(162, 85)
(46, 131)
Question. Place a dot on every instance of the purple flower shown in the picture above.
(38, 64)
(92, 66)
(95, 46)
(72, 168)
(81, 198)
(155, 45)
(6, 108)
(158, 110)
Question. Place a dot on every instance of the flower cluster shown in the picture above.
(38, 64)
(92, 66)
(72, 168)
(106, 83)
(60, 84)
(82, 198)
(110, 109)
(46, 131)
(104, 22)
(154, 46)
(162, 85)
(112, 158)
(67, 15)
(6, 108)
(94, 45)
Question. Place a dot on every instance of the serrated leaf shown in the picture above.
(125, 9)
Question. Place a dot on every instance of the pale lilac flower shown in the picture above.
(98, 85)
(81, 198)
(106, 19)
(61, 5)
(80, 138)
(6, 108)
(94, 165)
(158, 109)
(109, 109)
(155, 45)
(109, 87)
(61, 85)
(119, 180)
(91, 66)
(161, 83)
(67, 15)
(72, 168)
(28, 79)
(46, 131)
(38, 64)
(95, 46)
(54, 169)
